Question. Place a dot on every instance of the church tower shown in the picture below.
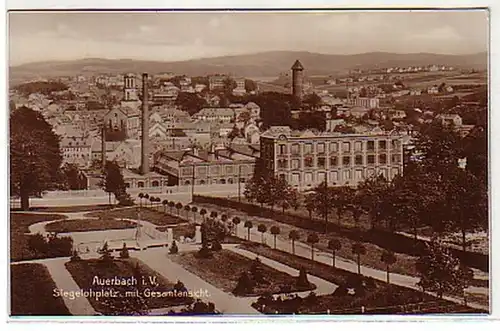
(298, 80)
(130, 88)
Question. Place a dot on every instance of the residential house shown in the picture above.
(219, 115)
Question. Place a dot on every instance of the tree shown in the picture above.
(178, 206)
(372, 192)
(194, 210)
(262, 228)
(124, 254)
(165, 204)
(171, 205)
(158, 201)
(356, 208)
(35, 157)
(341, 198)
(141, 196)
(190, 102)
(441, 147)
(322, 201)
(236, 222)
(275, 231)
(464, 190)
(310, 204)
(313, 101)
(312, 239)
(335, 245)
(287, 196)
(250, 85)
(441, 272)
(388, 258)
(293, 236)
(203, 212)
(358, 249)
(187, 208)
(248, 225)
(113, 182)
(73, 177)
(152, 199)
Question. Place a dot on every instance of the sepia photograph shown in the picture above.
(248, 163)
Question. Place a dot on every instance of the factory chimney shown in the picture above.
(103, 147)
(145, 126)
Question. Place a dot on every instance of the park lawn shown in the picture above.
(225, 267)
(82, 225)
(32, 292)
(19, 229)
(84, 271)
(154, 216)
(375, 300)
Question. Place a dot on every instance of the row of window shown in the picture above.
(357, 146)
(339, 176)
(335, 161)
(215, 181)
(216, 170)
(73, 155)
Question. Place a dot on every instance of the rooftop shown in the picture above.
(297, 66)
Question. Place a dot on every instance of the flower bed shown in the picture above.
(155, 216)
(32, 292)
(224, 269)
(82, 225)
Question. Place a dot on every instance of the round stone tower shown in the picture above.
(297, 80)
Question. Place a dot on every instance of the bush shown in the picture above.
(124, 254)
(173, 249)
(245, 285)
(75, 257)
(216, 246)
(105, 253)
(204, 252)
(51, 246)
(302, 278)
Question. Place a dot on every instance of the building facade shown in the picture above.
(306, 159)
(218, 166)
(371, 103)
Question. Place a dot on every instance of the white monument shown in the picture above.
(197, 235)
(170, 235)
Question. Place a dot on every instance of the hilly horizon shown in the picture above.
(267, 64)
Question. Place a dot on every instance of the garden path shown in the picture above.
(224, 302)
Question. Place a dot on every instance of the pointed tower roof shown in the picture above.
(297, 66)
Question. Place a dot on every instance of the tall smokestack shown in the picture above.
(145, 126)
(103, 147)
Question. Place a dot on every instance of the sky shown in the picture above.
(176, 36)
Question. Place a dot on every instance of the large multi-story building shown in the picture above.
(305, 159)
